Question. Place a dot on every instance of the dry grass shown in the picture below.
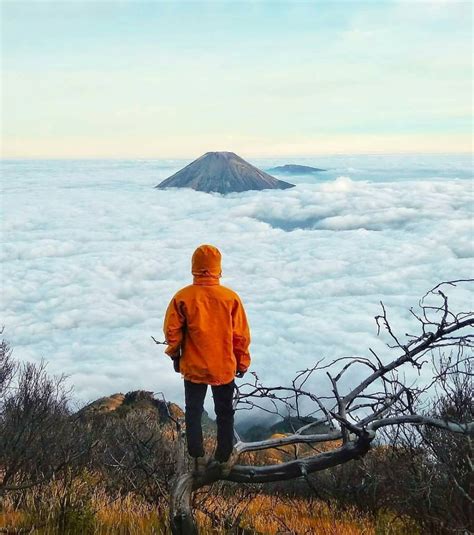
(83, 507)
(272, 515)
(280, 515)
(128, 514)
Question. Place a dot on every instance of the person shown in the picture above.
(208, 338)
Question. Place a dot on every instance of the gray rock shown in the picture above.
(222, 172)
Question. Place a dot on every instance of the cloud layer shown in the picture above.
(92, 254)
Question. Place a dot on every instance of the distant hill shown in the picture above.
(287, 425)
(293, 169)
(222, 172)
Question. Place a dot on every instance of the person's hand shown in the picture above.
(175, 360)
(239, 375)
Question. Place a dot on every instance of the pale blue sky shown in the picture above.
(175, 79)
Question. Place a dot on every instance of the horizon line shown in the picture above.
(322, 154)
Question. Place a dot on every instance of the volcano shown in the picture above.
(222, 172)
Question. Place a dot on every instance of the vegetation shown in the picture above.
(89, 509)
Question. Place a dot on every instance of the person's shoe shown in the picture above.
(224, 467)
(200, 464)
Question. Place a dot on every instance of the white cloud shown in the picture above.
(93, 254)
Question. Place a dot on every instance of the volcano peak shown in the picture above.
(222, 172)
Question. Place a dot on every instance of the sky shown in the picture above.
(92, 255)
(117, 79)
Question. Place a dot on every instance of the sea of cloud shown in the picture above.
(92, 254)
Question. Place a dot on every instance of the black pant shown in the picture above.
(194, 394)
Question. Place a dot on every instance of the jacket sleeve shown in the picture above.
(173, 328)
(240, 336)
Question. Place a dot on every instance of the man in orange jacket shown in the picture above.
(208, 339)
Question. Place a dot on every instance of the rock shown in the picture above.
(105, 404)
(119, 405)
(222, 172)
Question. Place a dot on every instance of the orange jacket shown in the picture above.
(205, 323)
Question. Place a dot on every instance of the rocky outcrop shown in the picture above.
(119, 405)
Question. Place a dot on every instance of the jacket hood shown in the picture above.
(206, 262)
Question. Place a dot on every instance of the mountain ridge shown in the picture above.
(295, 169)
